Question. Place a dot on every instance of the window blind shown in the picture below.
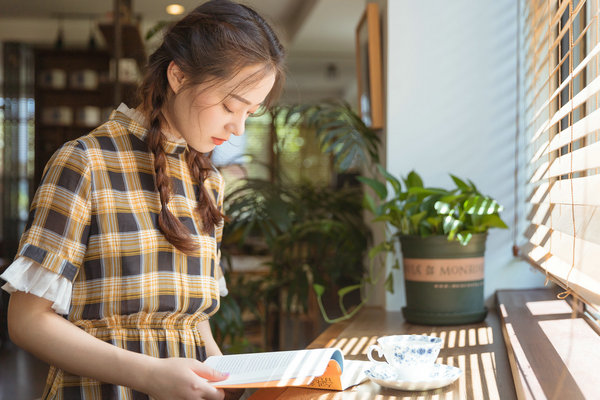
(561, 80)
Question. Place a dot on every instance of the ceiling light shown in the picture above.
(175, 9)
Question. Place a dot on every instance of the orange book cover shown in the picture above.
(313, 368)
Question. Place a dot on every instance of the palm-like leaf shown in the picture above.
(340, 131)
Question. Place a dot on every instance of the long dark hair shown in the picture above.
(210, 44)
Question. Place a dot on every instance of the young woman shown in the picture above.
(124, 232)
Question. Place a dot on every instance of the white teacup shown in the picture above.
(412, 356)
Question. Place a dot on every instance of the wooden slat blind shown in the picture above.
(561, 81)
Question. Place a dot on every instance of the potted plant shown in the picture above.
(314, 234)
(442, 234)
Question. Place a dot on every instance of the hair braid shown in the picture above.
(175, 232)
(210, 45)
(200, 167)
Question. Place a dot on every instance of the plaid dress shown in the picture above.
(94, 220)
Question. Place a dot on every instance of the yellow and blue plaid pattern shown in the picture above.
(94, 220)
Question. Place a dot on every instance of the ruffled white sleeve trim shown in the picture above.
(28, 276)
(219, 276)
(223, 287)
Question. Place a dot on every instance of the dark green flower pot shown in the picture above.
(444, 280)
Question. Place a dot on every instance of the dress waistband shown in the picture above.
(161, 321)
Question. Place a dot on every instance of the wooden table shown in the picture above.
(478, 349)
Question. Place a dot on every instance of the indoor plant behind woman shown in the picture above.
(442, 233)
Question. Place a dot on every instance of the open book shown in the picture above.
(315, 368)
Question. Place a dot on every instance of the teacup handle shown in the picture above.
(379, 351)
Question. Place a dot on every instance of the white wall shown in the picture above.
(451, 93)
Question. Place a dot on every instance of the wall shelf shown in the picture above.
(72, 101)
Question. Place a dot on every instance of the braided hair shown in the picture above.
(210, 45)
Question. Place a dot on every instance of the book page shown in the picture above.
(282, 366)
(354, 373)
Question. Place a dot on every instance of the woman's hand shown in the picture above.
(183, 379)
(35, 326)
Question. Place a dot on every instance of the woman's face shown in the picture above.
(207, 117)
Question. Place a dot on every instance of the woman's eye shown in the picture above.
(227, 109)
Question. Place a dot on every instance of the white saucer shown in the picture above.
(440, 376)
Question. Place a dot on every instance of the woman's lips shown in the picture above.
(218, 141)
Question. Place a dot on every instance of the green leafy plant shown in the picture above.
(457, 213)
(308, 228)
(315, 234)
(341, 133)
(412, 209)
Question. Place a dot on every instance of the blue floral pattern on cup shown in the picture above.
(410, 355)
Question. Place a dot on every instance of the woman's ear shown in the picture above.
(175, 77)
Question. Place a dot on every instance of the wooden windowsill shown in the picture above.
(478, 349)
(553, 354)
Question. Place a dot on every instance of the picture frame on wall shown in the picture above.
(368, 67)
